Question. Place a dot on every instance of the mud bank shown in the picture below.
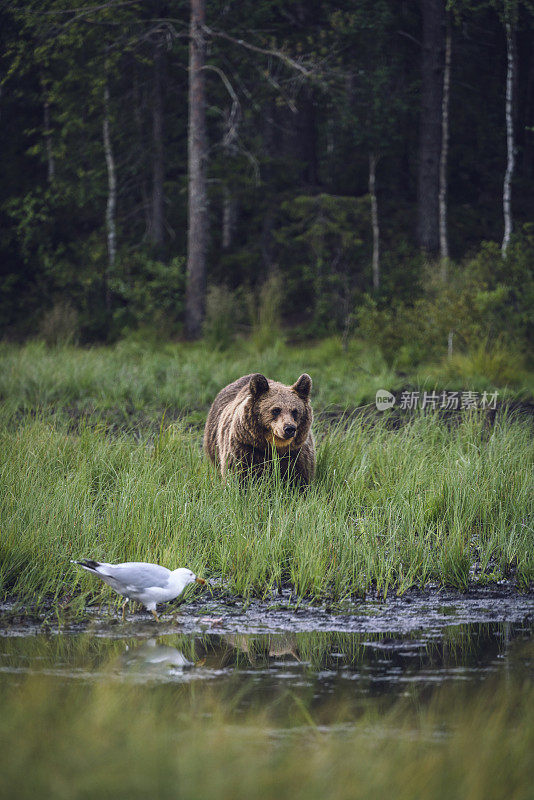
(429, 611)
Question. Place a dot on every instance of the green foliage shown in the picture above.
(401, 332)
(61, 267)
(291, 156)
(502, 290)
(322, 243)
(486, 304)
(493, 364)
(265, 313)
(222, 316)
(60, 325)
(151, 295)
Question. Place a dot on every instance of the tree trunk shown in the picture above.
(158, 221)
(374, 222)
(306, 138)
(50, 161)
(229, 217)
(270, 136)
(528, 147)
(443, 236)
(229, 207)
(330, 144)
(430, 125)
(143, 173)
(297, 137)
(510, 160)
(47, 132)
(112, 197)
(197, 234)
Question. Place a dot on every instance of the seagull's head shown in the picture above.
(186, 576)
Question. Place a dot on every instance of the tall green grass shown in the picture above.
(103, 740)
(131, 383)
(388, 510)
(132, 378)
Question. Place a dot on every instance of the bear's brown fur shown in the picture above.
(253, 415)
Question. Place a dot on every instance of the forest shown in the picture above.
(177, 169)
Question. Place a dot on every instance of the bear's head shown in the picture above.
(283, 413)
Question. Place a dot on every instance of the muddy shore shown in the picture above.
(430, 610)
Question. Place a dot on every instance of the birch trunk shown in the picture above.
(197, 234)
(510, 159)
(229, 205)
(158, 155)
(374, 222)
(443, 236)
(112, 196)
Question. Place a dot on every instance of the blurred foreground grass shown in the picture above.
(106, 740)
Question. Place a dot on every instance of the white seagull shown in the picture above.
(149, 584)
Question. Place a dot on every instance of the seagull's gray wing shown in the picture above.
(136, 575)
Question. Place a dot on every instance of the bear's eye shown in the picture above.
(295, 414)
(275, 411)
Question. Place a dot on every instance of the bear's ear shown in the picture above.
(258, 384)
(303, 386)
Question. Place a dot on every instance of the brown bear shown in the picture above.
(253, 415)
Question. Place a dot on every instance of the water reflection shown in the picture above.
(315, 665)
(151, 658)
(260, 649)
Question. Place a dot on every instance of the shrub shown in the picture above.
(323, 242)
(152, 295)
(265, 313)
(222, 315)
(494, 363)
(60, 325)
(487, 303)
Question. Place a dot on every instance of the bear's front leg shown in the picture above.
(244, 461)
(304, 465)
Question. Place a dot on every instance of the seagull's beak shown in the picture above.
(200, 580)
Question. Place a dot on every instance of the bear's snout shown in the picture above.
(289, 431)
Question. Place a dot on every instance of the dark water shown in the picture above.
(257, 654)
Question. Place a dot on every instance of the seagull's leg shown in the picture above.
(153, 612)
(124, 609)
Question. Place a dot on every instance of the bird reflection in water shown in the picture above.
(152, 658)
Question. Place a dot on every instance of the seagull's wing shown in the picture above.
(136, 575)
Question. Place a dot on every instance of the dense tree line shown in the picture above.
(150, 149)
